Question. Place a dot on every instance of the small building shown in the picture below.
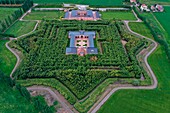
(82, 15)
(153, 8)
(81, 43)
(144, 7)
(157, 8)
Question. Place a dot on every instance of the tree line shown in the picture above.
(4, 24)
(12, 1)
(7, 22)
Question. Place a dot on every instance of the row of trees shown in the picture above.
(12, 1)
(157, 34)
(45, 56)
(4, 24)
(27, 5)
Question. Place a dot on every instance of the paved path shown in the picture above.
(7, 44)
(154, 84)
(49, 9)
(54, 95)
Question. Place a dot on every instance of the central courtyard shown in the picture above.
(81, 43)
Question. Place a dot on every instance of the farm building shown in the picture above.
(144, 7)
(82, 15)
(157, 8)
(81, 43)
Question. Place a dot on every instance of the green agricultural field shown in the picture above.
(140, 28)
(39, 15)
(7, 59)
(163, 2)
(11, 100)
(21, 27)
(145, 101)
(89, 2)
(164, 19)
(121, 15)
(5, 12)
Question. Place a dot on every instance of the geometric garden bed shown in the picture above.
(44, 55)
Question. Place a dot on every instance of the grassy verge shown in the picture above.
(140, 101)
(141, 28)
(39, 15)
(120, 15)
(11, 101)
(7, 59)
(20, 28)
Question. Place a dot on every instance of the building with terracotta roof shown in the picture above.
(132, 1)
(157, 8)
(82, 15)
(144, 7)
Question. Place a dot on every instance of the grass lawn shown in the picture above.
(140, 28)
(11, 100)
(39, 15)
(145, 101)
(164, 19)
(7, 59)
(89, 2)
(5, 12)
(20, 28)
(122, 15)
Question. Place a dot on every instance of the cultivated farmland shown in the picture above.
(163, 2)
(164, 19)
